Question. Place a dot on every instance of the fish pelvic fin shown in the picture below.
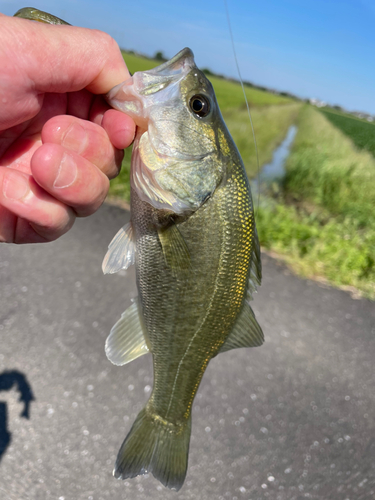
(157, 446)
(121, 251)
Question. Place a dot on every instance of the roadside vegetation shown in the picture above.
(324, 221)
(321, 221)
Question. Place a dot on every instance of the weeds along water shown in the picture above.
(326, 168)
(323, 223)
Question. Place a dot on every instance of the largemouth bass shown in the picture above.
(193, 240)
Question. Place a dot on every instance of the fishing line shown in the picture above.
(244, 93)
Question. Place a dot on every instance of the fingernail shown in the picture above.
(15, 185)
(75, 139)
(67, 172)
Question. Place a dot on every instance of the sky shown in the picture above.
(322, 49)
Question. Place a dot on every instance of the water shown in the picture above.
(275, 170)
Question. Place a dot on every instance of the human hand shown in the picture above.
(59, 141)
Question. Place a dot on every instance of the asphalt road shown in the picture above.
(290, 420)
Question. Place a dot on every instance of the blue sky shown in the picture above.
(322, 48)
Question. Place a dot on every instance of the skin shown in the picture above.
(60, 143)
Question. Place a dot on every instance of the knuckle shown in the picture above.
(108, 43)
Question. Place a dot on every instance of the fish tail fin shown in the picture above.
(157, 446)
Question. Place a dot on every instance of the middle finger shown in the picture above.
(85, 138)
(69, 178)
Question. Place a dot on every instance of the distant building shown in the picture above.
(318, 103)
(359, 114)
(363, 116)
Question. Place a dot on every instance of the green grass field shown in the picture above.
(362, 133)
(229, 94)
(138, 63)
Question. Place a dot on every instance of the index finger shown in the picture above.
(38, 58)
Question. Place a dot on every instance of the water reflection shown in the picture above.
(275, 170)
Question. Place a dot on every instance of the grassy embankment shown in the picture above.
(324, 223)
(272, 115)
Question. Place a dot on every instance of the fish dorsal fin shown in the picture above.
(127, 340)
(175, 250)
(255, 268)
(121, 250)
(246, 331)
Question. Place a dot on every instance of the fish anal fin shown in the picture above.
(175, 250)
(121, 251)
(127, 340)
(246, 331)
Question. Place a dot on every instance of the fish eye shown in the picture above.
(200, 105)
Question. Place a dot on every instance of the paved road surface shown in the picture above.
(291, 420)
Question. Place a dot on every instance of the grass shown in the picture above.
(362, 133)
(138, 63)
(324, 223)
(120, 186)
(326, 169)
(337, 250)
(229, 94)
(271, 124)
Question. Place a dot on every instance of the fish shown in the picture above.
(193, 240)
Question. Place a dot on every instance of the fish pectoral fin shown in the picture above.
(127, 340)
(175, 249)
(246, 331)
(121, 251)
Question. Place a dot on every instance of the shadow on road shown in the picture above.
(9, 380)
